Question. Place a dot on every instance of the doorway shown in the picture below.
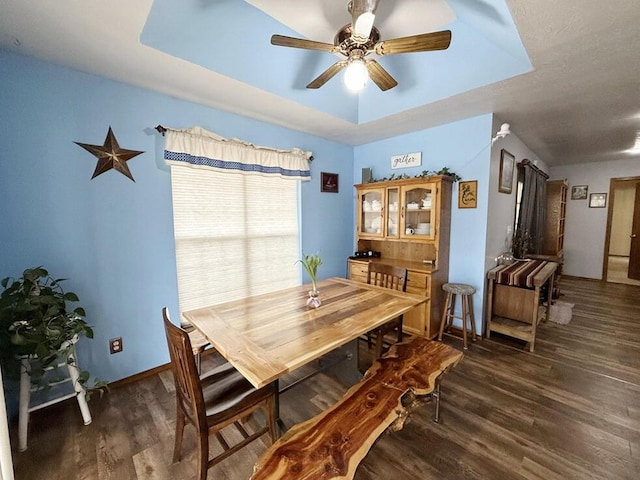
(622, 245)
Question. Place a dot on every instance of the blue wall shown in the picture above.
(113, 238)
(464, 147)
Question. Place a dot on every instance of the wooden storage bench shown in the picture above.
(514, 297)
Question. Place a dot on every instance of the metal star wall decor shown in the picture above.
(110, 155)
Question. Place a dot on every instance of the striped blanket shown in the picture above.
(520, 273)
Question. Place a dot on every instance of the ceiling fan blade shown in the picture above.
(380, 76)
(328, 74)
(415, 43)
(284, 41)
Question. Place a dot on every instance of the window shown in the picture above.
(519, 187)
(531, 203)
(236, 235)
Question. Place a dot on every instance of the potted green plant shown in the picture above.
(521, 244)
(36, 323)
(311, 263)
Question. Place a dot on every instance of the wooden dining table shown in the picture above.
(267, 336)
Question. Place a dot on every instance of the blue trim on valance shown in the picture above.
(237, 166)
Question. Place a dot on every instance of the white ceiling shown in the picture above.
(581, 103)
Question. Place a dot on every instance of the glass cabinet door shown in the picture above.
(418, 204)
(371, 213)
(393, 212)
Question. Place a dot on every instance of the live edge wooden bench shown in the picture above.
(332, 444)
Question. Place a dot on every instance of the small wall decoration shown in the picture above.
(110, 155)
(406, 160)
(597, 200)
(329, 182)
(468, 194)
(507, 165)
(579, 192)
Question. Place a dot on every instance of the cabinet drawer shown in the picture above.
(417, 280)
(417, 291)
(358, 271)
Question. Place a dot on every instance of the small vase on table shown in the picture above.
(314, 297)
(311, 263)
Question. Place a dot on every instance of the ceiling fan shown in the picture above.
(358, 40)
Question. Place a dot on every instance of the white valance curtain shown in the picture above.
(199, 148)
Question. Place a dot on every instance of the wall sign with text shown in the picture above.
(406, 160)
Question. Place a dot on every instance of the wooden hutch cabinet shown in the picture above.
(556, 212)
(408, 222)
(553, 245)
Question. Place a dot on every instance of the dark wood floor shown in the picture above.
(571, 410)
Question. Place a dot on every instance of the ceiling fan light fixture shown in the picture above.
(362, 26)
(357, 40)
(362, 17)
(356, 75)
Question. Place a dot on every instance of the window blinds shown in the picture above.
(236, 235)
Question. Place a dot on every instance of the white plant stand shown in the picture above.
(26, 389)
(6, 461)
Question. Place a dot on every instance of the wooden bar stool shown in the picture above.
(465, 292)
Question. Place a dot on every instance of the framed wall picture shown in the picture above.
(597, 200)
(579, 192)
(329, 182)
(507, 166)
(468, 194)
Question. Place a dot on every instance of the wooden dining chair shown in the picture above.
(199, 342)
(387, 276)
(210, 402)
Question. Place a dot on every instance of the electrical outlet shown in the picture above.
(115, 345)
